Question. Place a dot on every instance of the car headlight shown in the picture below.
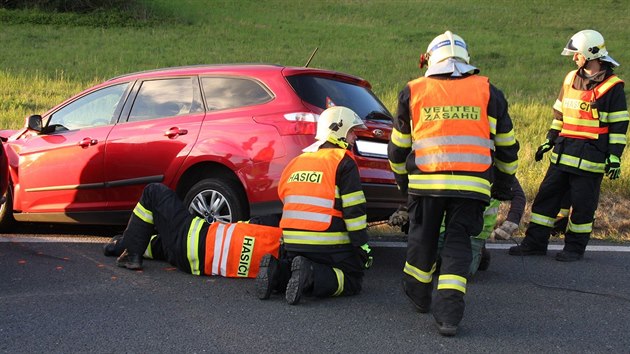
(371, 148)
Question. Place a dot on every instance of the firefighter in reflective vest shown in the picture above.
(587, 135)
(161, 228)
(451, 147)
(323, 219)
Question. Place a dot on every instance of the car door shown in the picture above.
(61, 169)
(161, 125)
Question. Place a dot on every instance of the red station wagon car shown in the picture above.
(219, 135)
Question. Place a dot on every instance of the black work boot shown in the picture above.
(568, 256)
(131, 261)
(416, 298)
(526, 250)
(485, 259)
(301, 279)
(446, 329)
(114, 247)
(267, 277)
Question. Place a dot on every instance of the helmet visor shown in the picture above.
(570, 48)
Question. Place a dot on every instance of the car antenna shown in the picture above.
(311, 57)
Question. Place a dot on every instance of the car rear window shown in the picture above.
(324, 92)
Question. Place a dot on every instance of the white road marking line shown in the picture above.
(505, 246)
(375, 244)
(54, 239)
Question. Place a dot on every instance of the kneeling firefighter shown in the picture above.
(324, 218)
(189, 242)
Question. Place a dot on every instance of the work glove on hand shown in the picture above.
(613, 167)
(365, 254)
(502, 189)
(542, 149)
(505, 231)
(402, 183)
(399, 217)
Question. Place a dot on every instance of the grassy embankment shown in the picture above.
(47, 57)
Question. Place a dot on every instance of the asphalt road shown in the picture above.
(65, 297)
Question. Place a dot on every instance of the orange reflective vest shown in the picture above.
(450, 127)
(580, 120)
(307, 189)
(235, 250)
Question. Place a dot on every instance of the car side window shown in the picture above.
(226, 92)
(92, 110)
(166, 98)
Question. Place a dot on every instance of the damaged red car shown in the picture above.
(219, 135)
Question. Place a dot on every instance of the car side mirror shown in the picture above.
(34, 122)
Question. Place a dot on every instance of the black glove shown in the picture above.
(542, 149)
(613, 167)
(402, 182)
(502, 188)
(365, 254)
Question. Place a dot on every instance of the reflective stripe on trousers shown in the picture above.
(451, 282)
(192, 245)
(315, 238)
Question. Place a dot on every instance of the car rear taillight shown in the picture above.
(297, 123)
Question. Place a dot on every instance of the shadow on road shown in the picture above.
(63, 229)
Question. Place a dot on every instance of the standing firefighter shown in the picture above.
(452, 139)
(588, 135)
(323, 219)
(188, 242)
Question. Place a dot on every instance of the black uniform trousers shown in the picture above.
(171, 221)
(463, 217)
(582, 191)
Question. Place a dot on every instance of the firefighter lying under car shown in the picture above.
(161, 228)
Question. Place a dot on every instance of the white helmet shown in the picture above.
(447, 45)
(333, 126)
(590, 44)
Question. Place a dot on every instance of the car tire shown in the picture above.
(217, 199)
(6, 213)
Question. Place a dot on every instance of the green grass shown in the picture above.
(47, 57)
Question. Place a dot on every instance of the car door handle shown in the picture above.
(175, 132)
(85, 142)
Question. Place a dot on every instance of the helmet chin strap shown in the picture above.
(593, 69)
(339, 142)
(584, 65)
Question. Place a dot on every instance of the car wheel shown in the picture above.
(217, 199)
(6, 214)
